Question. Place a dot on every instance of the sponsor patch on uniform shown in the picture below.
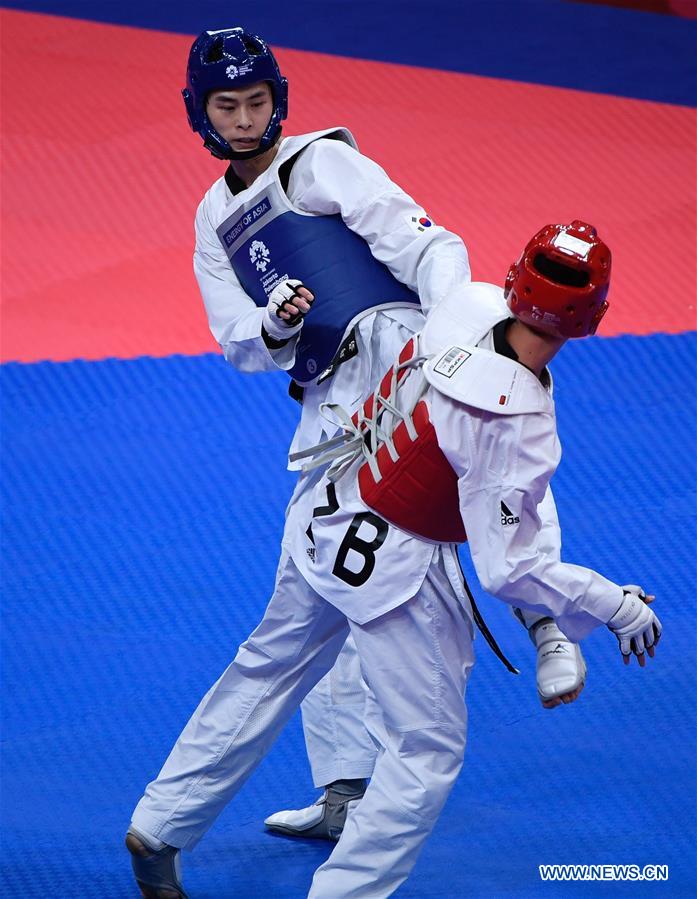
(451, 361)
(259, 255)
(507, 517)
(230, 233)
(419, 223)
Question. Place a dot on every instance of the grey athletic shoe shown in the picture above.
(157, 871)
(326, 818)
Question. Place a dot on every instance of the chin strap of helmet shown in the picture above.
(239, 154)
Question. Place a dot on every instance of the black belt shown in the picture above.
(347, 350)
(482, 627)
(296, 392)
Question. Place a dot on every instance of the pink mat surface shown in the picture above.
(101, 179)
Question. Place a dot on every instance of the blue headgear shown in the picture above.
(232, 58)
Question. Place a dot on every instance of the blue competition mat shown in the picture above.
(143, 498)
(143, 504)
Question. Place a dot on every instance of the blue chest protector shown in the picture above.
(268, 241)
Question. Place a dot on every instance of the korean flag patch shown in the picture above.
(419, 223)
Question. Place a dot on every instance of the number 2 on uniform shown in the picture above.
(365, 548)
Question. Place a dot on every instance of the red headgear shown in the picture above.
(560, 282)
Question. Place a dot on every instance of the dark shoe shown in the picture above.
(157, 871)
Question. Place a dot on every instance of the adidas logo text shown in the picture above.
(507, 517)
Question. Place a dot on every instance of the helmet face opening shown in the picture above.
(559, 284)
(229, 59)
(559, 273)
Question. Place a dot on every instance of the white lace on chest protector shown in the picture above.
(373, 424)
(445, 356)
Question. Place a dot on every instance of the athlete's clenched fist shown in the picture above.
(290, 301)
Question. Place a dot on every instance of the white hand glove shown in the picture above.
(280, 298)
(635, 625)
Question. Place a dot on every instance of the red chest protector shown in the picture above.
(409, 481)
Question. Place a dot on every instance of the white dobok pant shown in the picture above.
(333, 715)
(415, 659)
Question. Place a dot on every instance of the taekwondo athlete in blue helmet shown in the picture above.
(312, 261)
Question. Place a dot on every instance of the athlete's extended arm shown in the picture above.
(505, 465)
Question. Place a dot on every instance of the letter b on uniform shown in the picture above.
(364, 548)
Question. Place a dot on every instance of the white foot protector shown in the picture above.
(324, 820)
(561, 669)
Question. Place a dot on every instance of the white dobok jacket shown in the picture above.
(495, 424)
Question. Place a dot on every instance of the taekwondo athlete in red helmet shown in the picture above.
(413, 639)
(459, 442)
